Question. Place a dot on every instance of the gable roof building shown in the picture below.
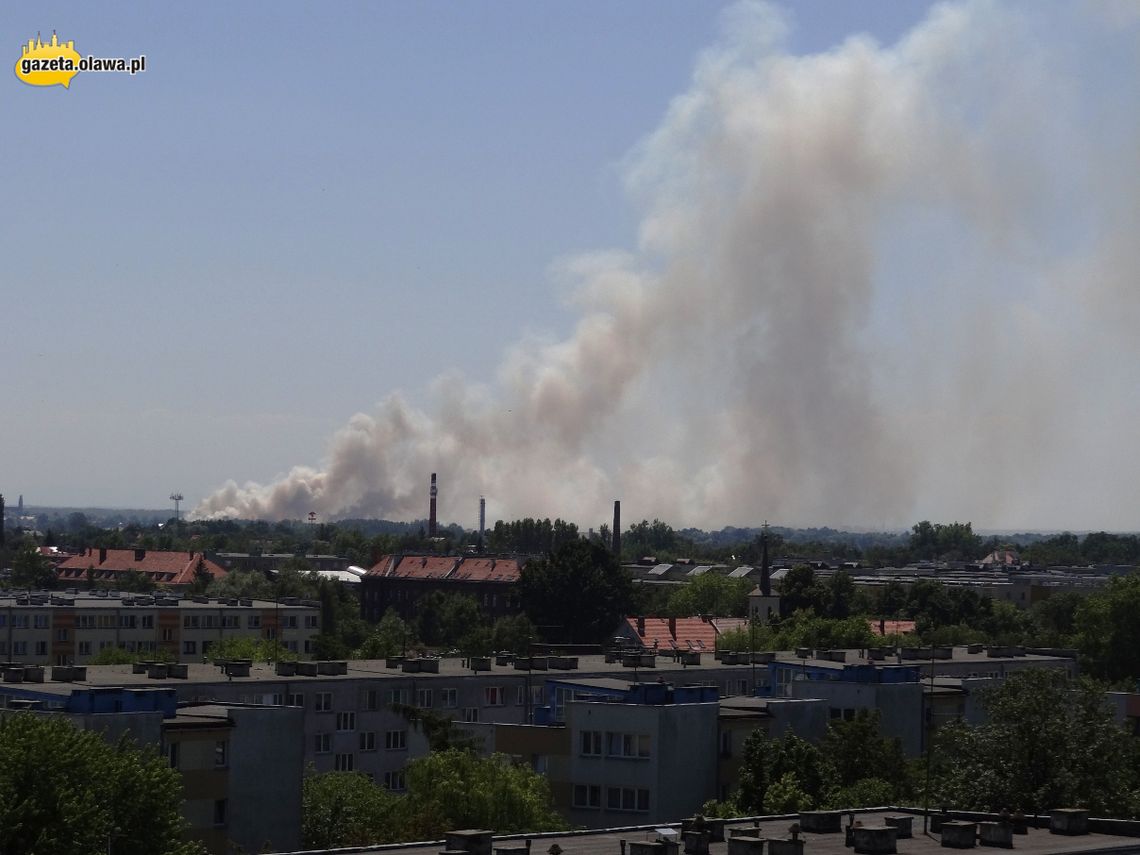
(171, 569)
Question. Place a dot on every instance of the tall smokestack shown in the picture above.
(431, 508)
(765, 575)
(482, 519)
(617, 528)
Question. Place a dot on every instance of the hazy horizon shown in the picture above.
(726, 262)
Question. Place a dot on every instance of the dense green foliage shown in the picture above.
(447, 789)
(64, 790)
(578, 594)
(854, 766)
(1047, 742)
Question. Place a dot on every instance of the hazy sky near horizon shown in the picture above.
(823, 263)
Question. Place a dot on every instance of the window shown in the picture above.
(289, 622)
(148, 621)
(587, 796)
(231, 621)
(591, 742)
(85, 648)
(253, 621)
(470, 714)
(19, 648)
(371, 699)
(343, 763)
(168, 634)
(323, 702)
(423, 698)
(41, 621)
(367, 741)
(221, 752)
(397, 696)
(493, 696)
(323, 743)
(190, 622)
(270, 633)
(311, 622)
(627, 799)
(41, 648)
(128, 621)
(295, 700)
(726, 743)
(206, 645)
(395, 781)
(83, 622)
(219, 811)
(448, 698)
(627, 744)
(189, 647)
(346, 721)
(396, 740)
(173, 755)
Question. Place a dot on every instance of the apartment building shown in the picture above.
(400, 581)
(662, 732)
(170, 570)
(70, 628)
(241, 766)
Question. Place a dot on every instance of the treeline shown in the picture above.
(1047, 742)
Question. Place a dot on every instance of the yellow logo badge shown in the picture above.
(48, 64)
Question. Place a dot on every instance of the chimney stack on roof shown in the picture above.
(431, 508)
(617, 529)
(765, 574)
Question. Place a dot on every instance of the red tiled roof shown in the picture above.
(384, 566)
(450, 567)
(425, 567)
(488, 570)
(172, 568)
(890, 627)
(685, 633)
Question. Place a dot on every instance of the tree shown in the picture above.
(799, 590)
(711, 594)
(30, 569)
(1048, 742)
(579, 593)
(390, 637)
(1108, 633)
(858, 752)
(346, 809)
(459, 789)
(64, 790)
(791, 765)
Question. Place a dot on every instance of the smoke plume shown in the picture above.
(863, 293)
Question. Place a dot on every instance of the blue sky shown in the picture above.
(301, 208)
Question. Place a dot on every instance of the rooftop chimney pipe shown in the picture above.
(765, 575)
(617, 528)
(482, 520)
(431, 508)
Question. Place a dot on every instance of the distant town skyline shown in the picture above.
(819, 263)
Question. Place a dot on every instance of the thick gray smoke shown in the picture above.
(862, 294)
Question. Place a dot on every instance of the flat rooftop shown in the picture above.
(139, 602)
(592, 670)
(607, 842)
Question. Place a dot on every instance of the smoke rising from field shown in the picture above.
(864, 293)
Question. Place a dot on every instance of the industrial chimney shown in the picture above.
(482, 520)
(431, 508)
(617, 528)
(765, 574)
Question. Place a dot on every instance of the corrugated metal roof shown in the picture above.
(660, 569)
(740, 572)
(699, 570)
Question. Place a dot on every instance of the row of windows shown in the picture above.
(617, 798)
(394, 740)
(616, 744)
